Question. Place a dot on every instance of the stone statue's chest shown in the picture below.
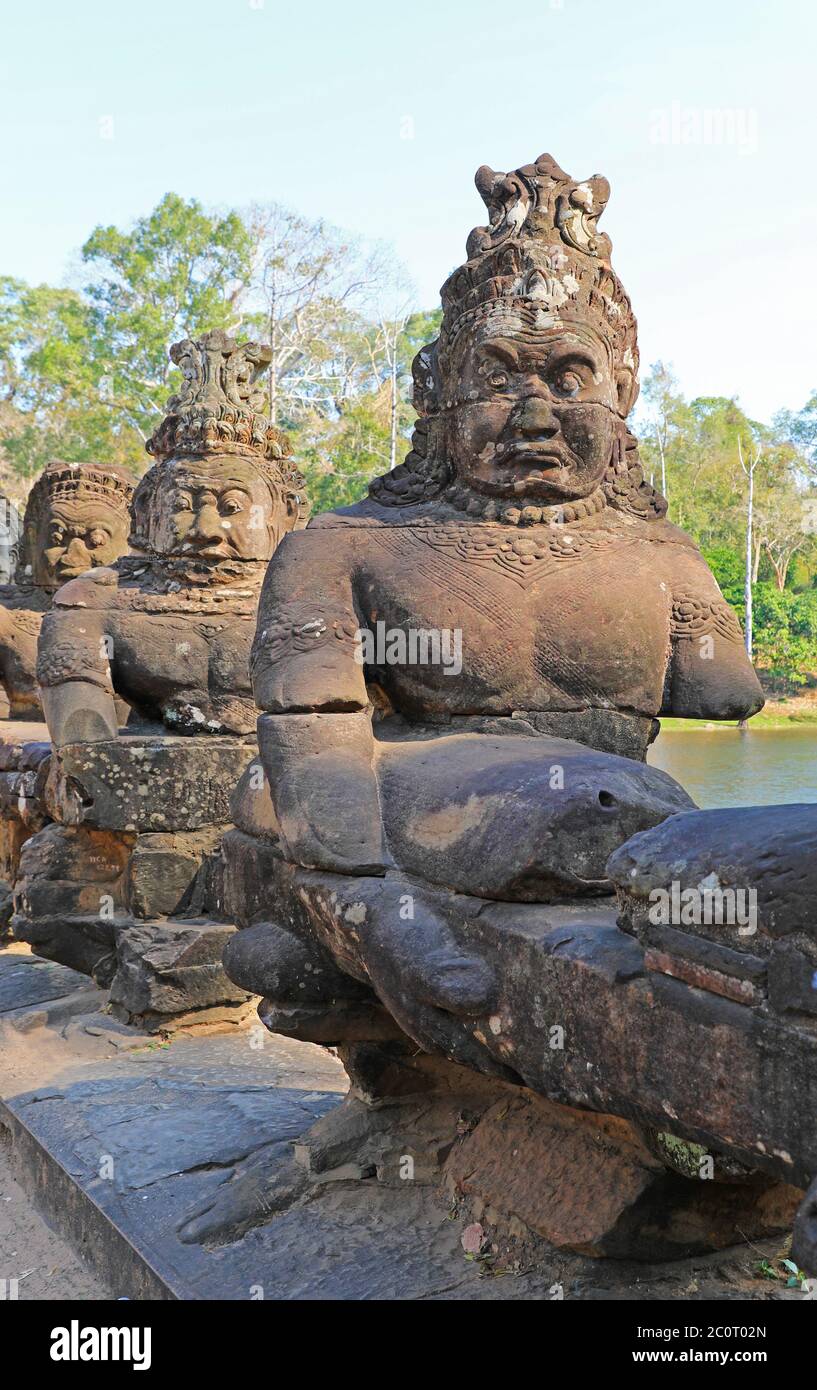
(171, 648)
(542, 616)
(21, 617)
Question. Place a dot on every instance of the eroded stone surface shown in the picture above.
(27, 982)
(169, 628)
(136, 783)
(167, 632)
(76, 518)
(164, 869)
(768, 851)
(24, 760)
(208, 1126)
(588, 1184)
(725, 900)
(417, 657)
(516, 818)
(170, 968)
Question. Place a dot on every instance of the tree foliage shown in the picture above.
(701, 445)
(85, 374)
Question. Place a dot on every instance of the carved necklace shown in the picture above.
(524, 511)
(525, 558)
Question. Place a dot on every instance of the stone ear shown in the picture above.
(294, 504)
(140, 507)
(627, 389)
(426, 376)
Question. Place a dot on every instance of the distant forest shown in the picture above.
(84, 373)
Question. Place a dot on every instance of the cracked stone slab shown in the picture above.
(131, 1145)
(158, 1127)
(88, 1139)
(27, 981)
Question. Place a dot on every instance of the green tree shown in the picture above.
(84, 373)
(176, 273)
(664, 426)
(800, 427)
(50, 403)
(786, 633)
(340, 452)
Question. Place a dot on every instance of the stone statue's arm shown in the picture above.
(9, 657)
(315, 736)
(6, 660)
(709, 675)
(74, 668)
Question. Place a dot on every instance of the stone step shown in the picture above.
(170, 1166)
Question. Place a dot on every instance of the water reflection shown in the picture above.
(724, 767)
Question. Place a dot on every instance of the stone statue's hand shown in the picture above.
(329, 814)
(79, 712)
(324, 790)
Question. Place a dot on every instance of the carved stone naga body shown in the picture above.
(76, 519)
(168, 628)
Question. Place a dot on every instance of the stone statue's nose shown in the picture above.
(535, 417)
(77, 552)
(207, 525)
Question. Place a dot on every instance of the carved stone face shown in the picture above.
(216, 509)
(534, 411)
(77, 534)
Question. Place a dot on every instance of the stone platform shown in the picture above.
(122, 883)
(122, 1140)
(25, 753)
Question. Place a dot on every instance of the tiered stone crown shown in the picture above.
(61, 481)
(541, 262)
(542, 259)
(217, 409)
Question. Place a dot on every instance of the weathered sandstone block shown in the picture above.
(164, 869)
(167, 969)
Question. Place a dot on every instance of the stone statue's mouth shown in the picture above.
(543, 452)
(218, 551)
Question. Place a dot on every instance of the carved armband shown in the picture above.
(58, 662)
(300, 629)
(700, 617)
(306, 656)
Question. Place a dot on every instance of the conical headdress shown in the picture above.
(541, 261)
(217, 410)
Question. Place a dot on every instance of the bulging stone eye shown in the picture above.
(568, 384)
(497, 380)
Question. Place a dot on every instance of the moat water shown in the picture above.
(727, 767)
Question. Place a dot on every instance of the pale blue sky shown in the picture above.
(239, 100)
